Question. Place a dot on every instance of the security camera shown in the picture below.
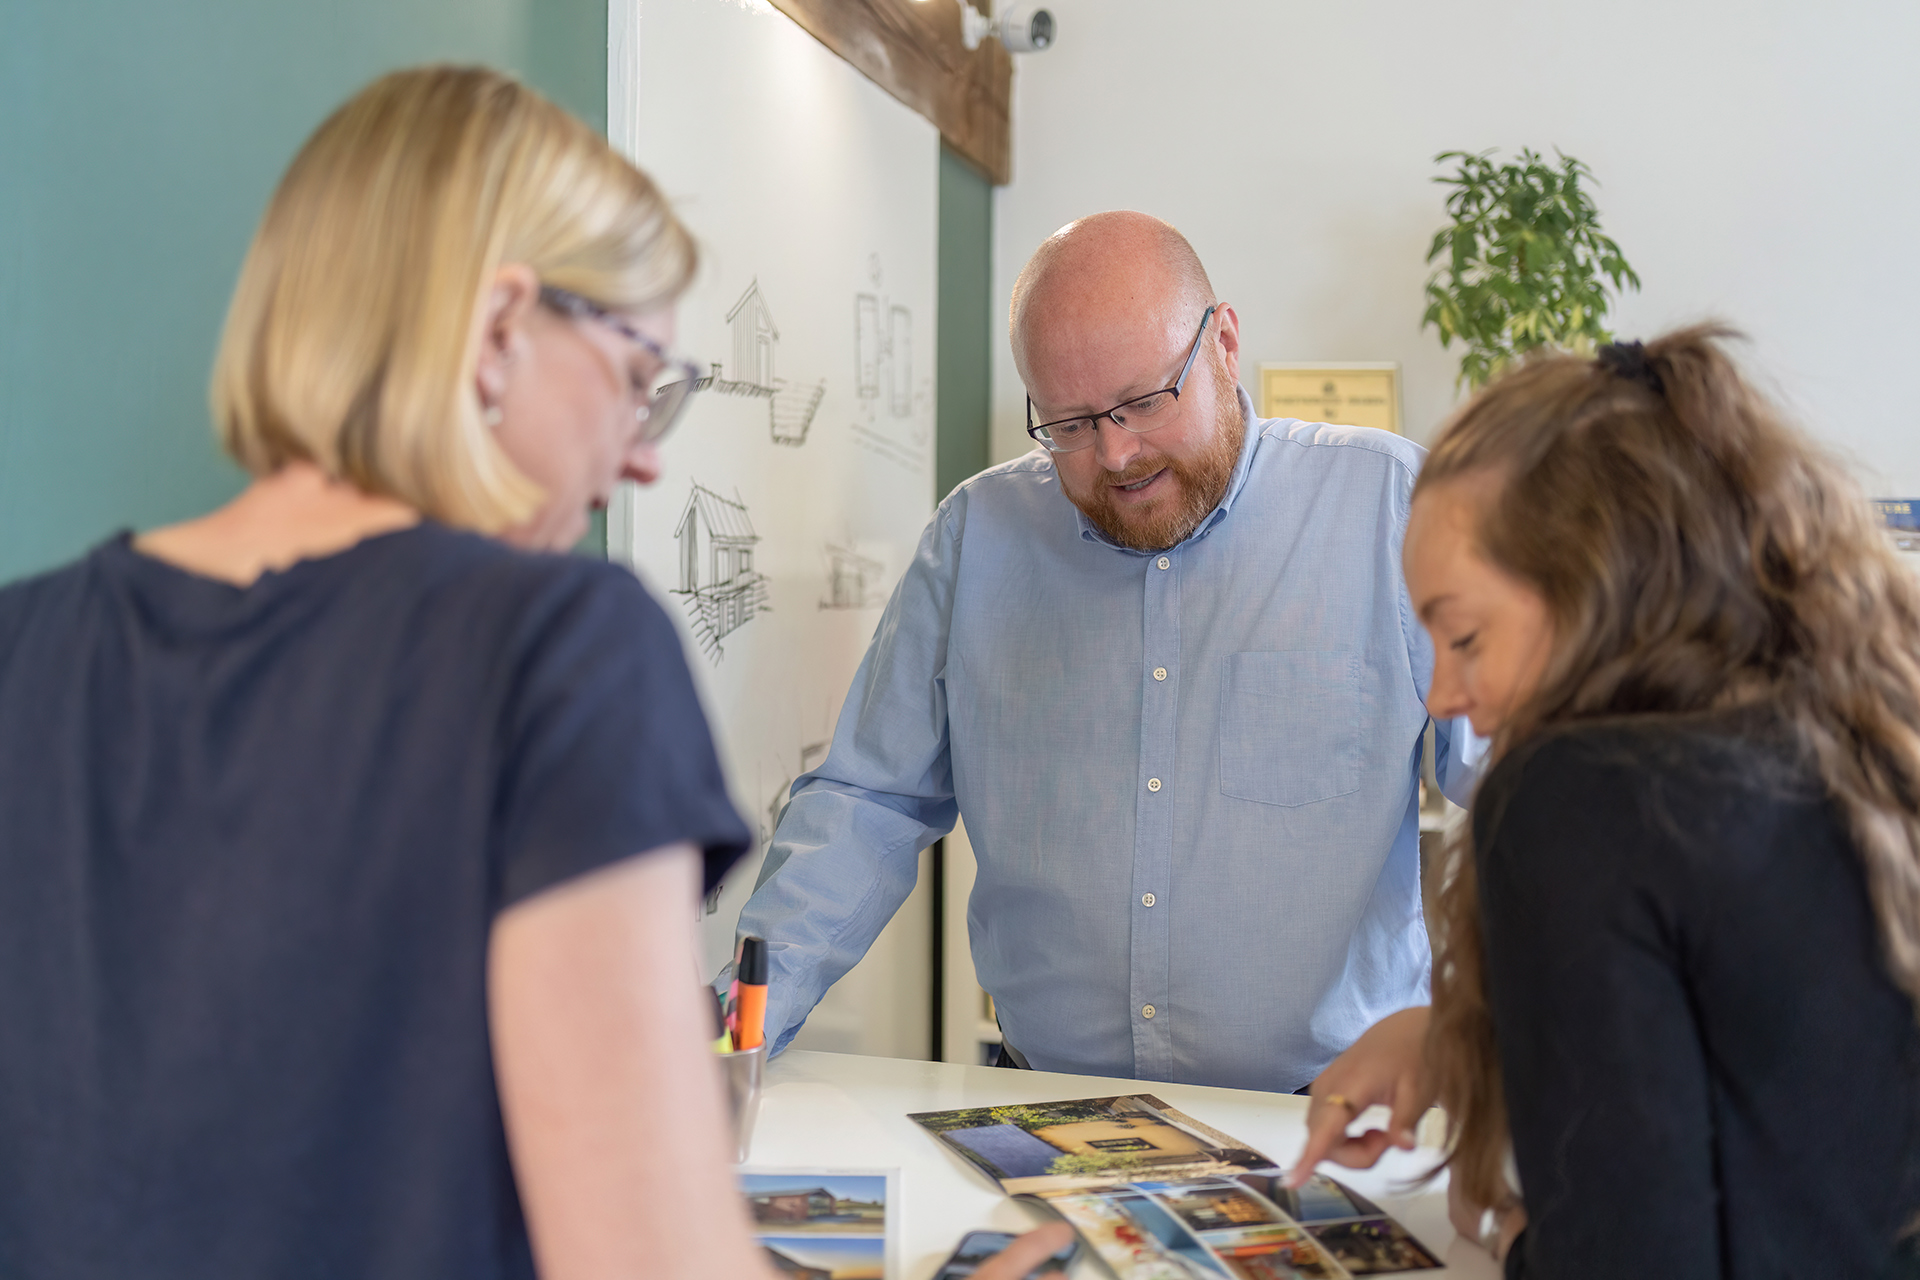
(1025, 28)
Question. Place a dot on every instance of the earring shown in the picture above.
(490, 414)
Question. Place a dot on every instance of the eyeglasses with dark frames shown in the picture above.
(663, 397)
(1138, 415)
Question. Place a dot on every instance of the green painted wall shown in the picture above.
(138, 145)
(965, 292)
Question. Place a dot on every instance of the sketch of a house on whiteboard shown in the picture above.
(866, 345)
(854, 581)
(756, 344)
(883, 352)
(721, 588)
(900, 361)
(755, 338)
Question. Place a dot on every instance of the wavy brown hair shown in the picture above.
(1694, 551)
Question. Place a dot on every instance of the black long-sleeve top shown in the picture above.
(1708, 1070)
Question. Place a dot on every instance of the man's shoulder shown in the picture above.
(1342, 445)
(1008, 485)
(1033, 466)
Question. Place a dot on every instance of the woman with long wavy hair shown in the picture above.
(1678, 952)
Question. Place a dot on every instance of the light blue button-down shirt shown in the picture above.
(1189, 777)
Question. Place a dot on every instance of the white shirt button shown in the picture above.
(1147, 899)
(1159, 673)
(1153, 784)
(1163, 562)
(1146, 1011)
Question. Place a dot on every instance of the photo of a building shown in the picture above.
(1050, 1146)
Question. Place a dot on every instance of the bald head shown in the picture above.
(1111, 267)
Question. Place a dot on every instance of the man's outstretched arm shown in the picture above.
(846, 852)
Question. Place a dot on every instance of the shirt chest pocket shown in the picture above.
(1290, 726)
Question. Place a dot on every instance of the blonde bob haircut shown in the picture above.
(353, 335)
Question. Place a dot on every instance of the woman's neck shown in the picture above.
(297, 513)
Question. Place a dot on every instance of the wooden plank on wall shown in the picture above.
(913, 50)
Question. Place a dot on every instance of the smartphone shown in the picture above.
(977, 1246)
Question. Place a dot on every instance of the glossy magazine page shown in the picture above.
(1160, 1196)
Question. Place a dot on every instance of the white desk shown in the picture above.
(837, 1110)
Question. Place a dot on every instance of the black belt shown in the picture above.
(1009, 1056)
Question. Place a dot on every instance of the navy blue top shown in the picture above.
(1709, 1071)
(251, 845)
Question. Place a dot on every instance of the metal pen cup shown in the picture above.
(744, 1069)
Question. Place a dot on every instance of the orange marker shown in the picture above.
(751, 1031)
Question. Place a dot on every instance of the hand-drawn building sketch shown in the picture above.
(723, 593)
(900, 361)
(756, 342)
(883, 352)
(755, 338)
(866, 345)
(854, 581)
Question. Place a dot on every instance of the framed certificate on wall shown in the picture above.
(1352, 395)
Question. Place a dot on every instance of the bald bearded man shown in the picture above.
(1165, 668)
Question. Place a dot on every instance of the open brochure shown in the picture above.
(1160, 1196)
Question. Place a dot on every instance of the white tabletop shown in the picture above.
(834, 1110)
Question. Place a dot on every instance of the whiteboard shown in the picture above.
(798, 486)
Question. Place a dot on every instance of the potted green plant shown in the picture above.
(1523, 263)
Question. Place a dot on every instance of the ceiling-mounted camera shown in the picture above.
(1023, 28)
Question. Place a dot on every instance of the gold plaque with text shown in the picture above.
(1353, 395)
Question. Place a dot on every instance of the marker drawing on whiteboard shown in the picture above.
(722, 591)
(854, 581)
(894, 411)
(756, 342)
(883, 352)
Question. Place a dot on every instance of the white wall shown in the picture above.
(1760, 161)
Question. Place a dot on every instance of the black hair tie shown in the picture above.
(1629, 360)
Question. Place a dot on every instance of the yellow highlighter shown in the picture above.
(723, 1041)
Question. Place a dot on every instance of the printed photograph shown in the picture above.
(1374, 1246)
(1039, 1147)
(1169, 1232)
(1275, 1253)
(1129, 1246)
(1215, 1207)
(828, 1257)
(1319, 1199)
(824, 1204)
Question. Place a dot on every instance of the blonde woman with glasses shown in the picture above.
(352, 832)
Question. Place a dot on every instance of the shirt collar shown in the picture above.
(1237, 482)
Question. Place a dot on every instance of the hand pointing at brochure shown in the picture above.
(1385, 1067)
